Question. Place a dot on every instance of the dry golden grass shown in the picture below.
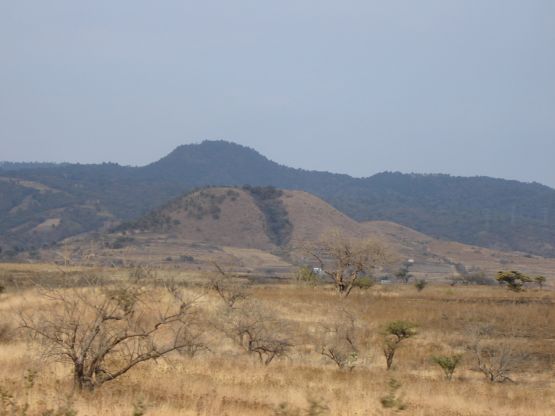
(226, 381)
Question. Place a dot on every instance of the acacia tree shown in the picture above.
(403, 273)
(345, 260)
(106, 331)
(395, 332)
(513, 279)
(540, 281)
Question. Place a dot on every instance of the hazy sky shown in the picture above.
(464, 87)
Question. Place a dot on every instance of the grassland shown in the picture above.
(225, 380)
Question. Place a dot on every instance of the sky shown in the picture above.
(464, 87)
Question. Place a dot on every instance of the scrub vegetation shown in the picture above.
(92, 341)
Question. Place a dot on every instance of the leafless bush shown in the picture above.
(257, 331)
(142, 272)
(229, 287)
(496, 359)
(106, 331)
(339, 340)
(344, 260)
(252, 327)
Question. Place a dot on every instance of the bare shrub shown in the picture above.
(228, 285)
(106, 331)
(142, 272)
(496, 359)
(257, 331)
(339, 340)
(345, 260)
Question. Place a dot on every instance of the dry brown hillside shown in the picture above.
(221, 216)
(311, 217)
(258, 229)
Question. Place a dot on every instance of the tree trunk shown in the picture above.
(389, 358)
(78, 376)
(80, 380)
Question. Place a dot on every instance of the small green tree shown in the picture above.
(392, 401)
(420, 284)
(403, 273)
(513, 279)
(540, 281)
(448, 363)
(364, 282)
(307, 276)
(395, 332)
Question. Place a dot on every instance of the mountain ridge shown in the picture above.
(497, 213)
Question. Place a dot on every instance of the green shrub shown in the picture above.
(392, 401)
(420, 284)
(316, 407)
(307, 276)
(364, 282)
(540, 281)
(514, 280)
(448, 363)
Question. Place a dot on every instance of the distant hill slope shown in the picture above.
(221, 216)
(496, 213)
(272, 225)
(263, 217)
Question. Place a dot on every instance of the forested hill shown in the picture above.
(40, 204)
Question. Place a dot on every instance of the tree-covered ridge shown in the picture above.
(276, 218)
(483, 211)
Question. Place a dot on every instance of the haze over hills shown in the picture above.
(43, 203)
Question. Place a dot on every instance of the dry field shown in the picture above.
(227, 380)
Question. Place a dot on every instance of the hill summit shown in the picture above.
(41, 204)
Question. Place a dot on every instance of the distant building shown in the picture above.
(318, 271)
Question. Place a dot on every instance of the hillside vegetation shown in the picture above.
(328, 352)
(495, 213)
(275, 227)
